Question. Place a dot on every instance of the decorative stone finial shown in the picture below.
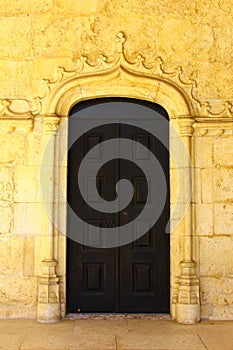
(121, 40)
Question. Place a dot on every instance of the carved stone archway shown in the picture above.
(120, 78)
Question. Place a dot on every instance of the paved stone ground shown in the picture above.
(115, 334)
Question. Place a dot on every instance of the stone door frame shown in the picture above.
(120, 78)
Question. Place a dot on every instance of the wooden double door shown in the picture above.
(130, 278)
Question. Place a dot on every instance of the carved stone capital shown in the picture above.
(186, 126)
(51, 124)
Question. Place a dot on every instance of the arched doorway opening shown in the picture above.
(132, 277)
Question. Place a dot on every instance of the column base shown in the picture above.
(187, 298)
(187, 313)
(49, 306)
(48, 313)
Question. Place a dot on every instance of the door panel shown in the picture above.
(144, 264)
(92, 281)
(134, 277)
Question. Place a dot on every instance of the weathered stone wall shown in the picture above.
(37, 37)
(214, 223)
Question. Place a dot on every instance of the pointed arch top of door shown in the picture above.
(119, 78)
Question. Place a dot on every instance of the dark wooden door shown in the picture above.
(131, 278)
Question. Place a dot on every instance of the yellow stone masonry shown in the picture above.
(55, 53)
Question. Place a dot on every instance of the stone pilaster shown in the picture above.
(188, 303)
(48, 289)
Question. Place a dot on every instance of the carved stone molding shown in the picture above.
(224, 112)
(21, 109)
(213, 128)
(11, 125)
(138, 66)
(103, 66)
(17, 114)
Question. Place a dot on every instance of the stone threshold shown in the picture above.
(117, 316)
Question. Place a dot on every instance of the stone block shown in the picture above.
(204, 219)
(12, 148)
(34, 147)
(223, 219)
(19, 7)
(18, 311)
(222, 313)
(223, 154)
(203, 152)
(83, 7)
(177, 35)
(6, 184)
(27, 184)
(6, 222)
(16, 77)
(11, 257)
(216, 291)
(56, 36)
(216, 256)
(15, 33)
(197, 186)
(28, 256)
(18, 290)
(213, 82)
(206, 185)
(31, 218)
(223, 184)
(47, 177)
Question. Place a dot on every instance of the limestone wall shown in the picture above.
(37, 37)
(214, 223)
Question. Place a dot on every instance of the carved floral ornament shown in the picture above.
(16, 112)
